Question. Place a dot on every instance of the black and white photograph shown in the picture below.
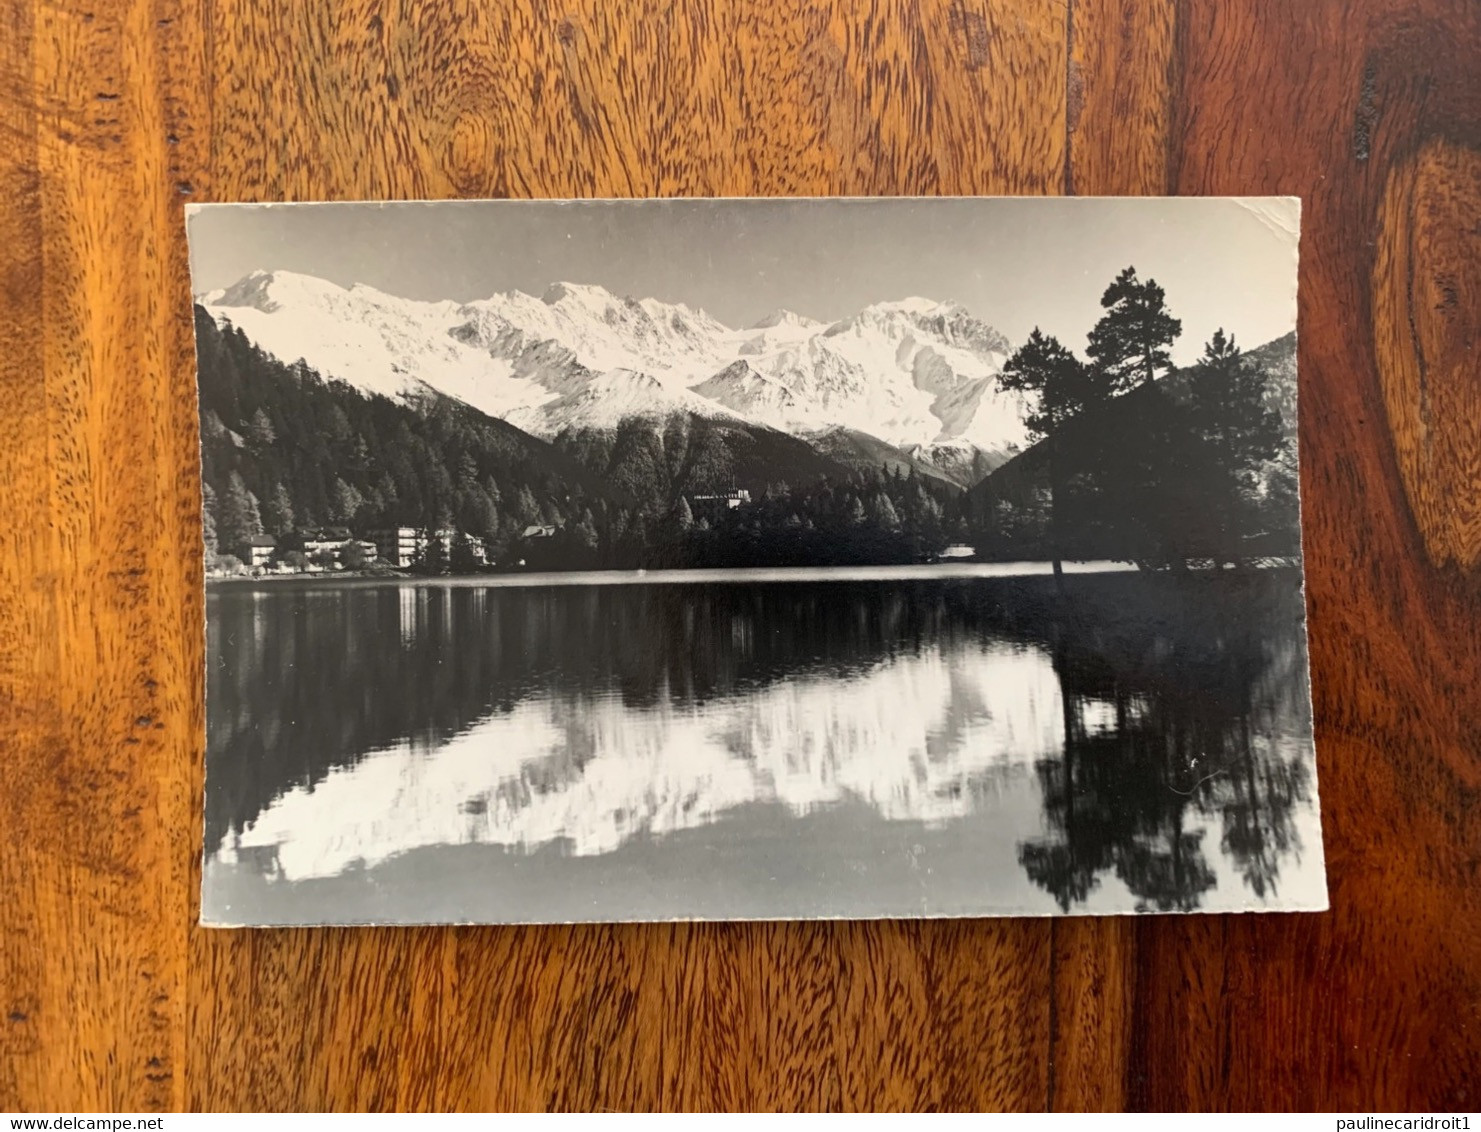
(752, 559)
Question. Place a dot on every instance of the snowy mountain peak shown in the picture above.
(270, 290)
(936, 323)
(784, 317)
(681, 316)
(642, 332)
(374, 293)
(585, 294)
(912, 305)
(914, 311)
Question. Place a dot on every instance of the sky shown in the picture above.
(1014, 262)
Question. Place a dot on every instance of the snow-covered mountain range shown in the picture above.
(917, 374)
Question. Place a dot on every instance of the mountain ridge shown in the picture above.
(909, 373)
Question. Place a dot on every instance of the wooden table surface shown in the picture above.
(114, 113)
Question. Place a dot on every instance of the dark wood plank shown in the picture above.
(1371, 114)
(1342, 109)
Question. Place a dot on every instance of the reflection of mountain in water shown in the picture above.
(1166, 719)
(915, 737)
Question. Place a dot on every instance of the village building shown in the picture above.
(259, 551)
(401, 546)
(397, 546)
(732, 499)
(316, 548)
(476, 545)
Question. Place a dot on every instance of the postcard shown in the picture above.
(752, 559)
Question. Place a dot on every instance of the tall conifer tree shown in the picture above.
(1130, 344)
(1064, 388)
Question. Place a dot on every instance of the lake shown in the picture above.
(937, 744)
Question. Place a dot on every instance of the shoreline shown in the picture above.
(713, 576)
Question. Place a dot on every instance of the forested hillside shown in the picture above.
(662, 458)
(1199, 463)
(283, 451)
(286, 454)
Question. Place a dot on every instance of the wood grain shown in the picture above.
(1426, 302)
(112, 114)
(1376, 1002)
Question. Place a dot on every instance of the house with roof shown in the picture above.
(730, 500)
(258, 551)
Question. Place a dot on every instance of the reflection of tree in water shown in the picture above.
(1174, 717)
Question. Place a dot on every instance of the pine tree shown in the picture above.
(277, 513)
(431, 556)
(208, 519)
(586, 531)
(337, 427)
(526, 509)
(884, 513)
(237, 518)
(260, 432)
(461, 557)
(477, 513)
(467, 472)
(1130, 343)
(344, 502)
(1239, 432)
(385, 487)
(1065, 388)
(356, 458)
(1229, 407)
(683, 515)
